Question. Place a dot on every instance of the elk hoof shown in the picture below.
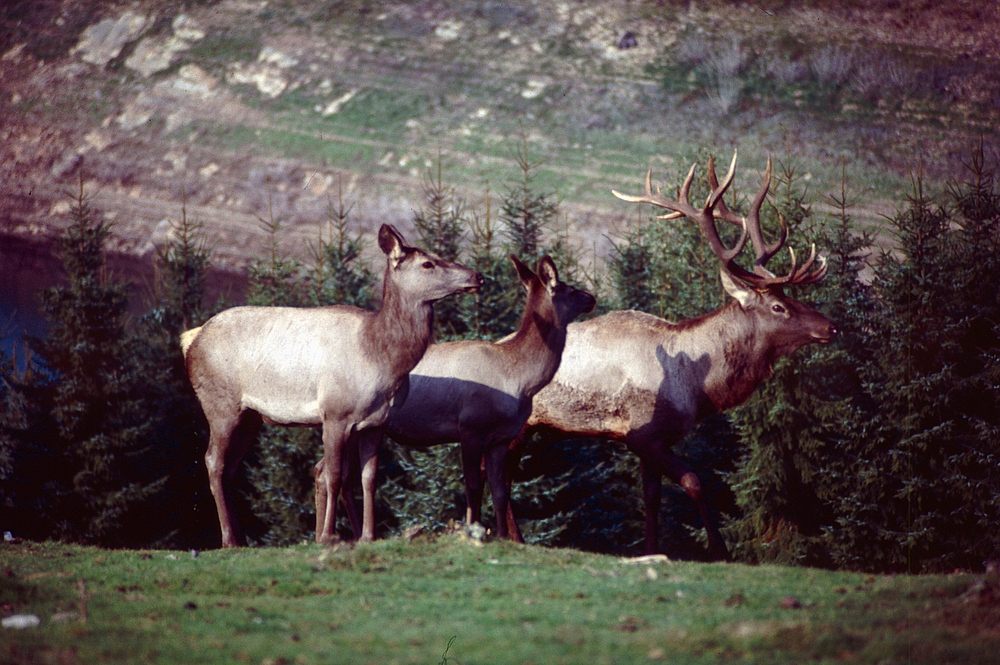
(691, 485)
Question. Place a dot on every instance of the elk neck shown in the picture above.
(742, 358)
(400, 332)
(535, 349)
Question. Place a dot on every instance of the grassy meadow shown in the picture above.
(449, 599)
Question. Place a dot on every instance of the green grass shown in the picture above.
(402, 602)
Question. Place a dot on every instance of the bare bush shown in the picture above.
(882, 75)
(868, 79)
(832, 64)
(725, 92)
(899, 74)
(729, 59)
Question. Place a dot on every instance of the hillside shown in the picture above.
(448, 599)
(249, 109)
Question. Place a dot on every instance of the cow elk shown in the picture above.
(479, 393)
(337, 367)
(635, 378)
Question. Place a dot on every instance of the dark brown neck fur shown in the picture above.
(742, 357)
(400, 332)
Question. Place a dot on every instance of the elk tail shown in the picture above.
(187, 339)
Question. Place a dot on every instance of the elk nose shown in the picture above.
(479, 279)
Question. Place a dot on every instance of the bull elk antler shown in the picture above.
(715, 208)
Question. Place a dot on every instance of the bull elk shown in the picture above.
(479, 393)
(633, 377)
(336, 366)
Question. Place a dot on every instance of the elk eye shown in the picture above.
(778, 308)
(428, 265)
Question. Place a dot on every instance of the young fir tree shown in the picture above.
(180, 431)
(442, 223)
(787, 427)
(916, 482)
(25, 460)
(103, 469)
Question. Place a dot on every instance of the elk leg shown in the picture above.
(227, 446)
(349, 479)
(472, 459)
(676, 470)
(320, 495)
(652, 492)
(352, 479)
(496, 472)
(514, 452)
(334, 435)
(367, 452)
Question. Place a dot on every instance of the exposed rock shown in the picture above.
(96, 140)
(66, 164)
(449, 30)
(154, 55)
(266, 79)
(102, 42)
(208, 170)
(187, 28)
(136, 114)
(334, 107)
(272, 56)
(193, 79)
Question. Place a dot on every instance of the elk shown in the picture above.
(338, 367)
(479, 393)
(636, 378)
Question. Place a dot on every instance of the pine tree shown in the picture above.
(441, 223)
(25, 463)
(178, 426)
(104, 469)
(525, 211)
(923, 453)
(781, 497)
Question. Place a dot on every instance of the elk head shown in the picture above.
(415, 271)
(567, 302)
(786, 323)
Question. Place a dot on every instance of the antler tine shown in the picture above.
(715, 197)
(722, 211)
(683, 208)
(803, 274)
(715, 206)
(763, 250)
(680, 208)
(798, 274)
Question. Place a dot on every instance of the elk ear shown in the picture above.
(745, 295)
(391, 243)
(547, 272)
(523, 272)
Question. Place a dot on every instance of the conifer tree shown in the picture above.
(104, 469)
(782, 506)
(178, 428)
(921, 451)
(442, 223)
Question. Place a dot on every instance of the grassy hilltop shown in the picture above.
(450, 599)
